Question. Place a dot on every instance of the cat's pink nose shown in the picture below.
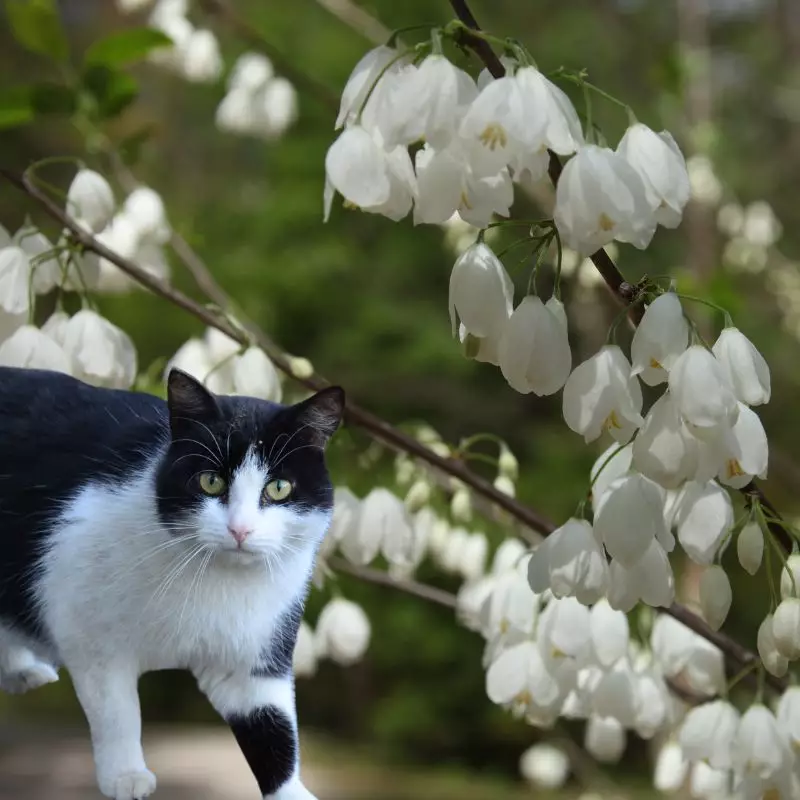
(239, 533)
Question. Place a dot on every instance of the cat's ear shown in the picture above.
(188, 399)
(322, 413)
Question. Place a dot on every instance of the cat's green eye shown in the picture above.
(278, 490)
(212, 483)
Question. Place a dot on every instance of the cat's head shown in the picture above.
(246, 477)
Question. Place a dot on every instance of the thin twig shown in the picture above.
(382, 578)
(358, 19)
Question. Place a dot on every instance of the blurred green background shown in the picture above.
(366, 299)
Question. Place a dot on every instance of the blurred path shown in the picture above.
(192, 764)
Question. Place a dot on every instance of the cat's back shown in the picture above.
(57, 435)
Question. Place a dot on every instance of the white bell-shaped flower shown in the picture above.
(715, 596)
(750, 548)
(250, 72)
(343, 632)
(604, 739)
(145, 210)
(542, 98)
(534, 350)
(427, 103)
(304, 659)
(662, 335)
(599, 198)
(671, 769)
(277, 108)
(472, 558)
(600, 394)
(708, 732)
(368, 176)
(499, 126)
(236, 112)
(382, 515)
(788, 716)
(512, 607)
(650, 579)
(760, 749)
(544, 766)
(254, 375)
(743, 450)
(91, 200)
(707, 783)
(30, 348)
(346, 508)
(790, 577)
(661, 165)
(193, 357)
(15, 277)
(56, 325)
(175, 25)
(202, 61)
(103, 354)
(449, 182)
(614, 462)
(565, 633)
(664, 450)
(481, 293)
(744, 368)
(570, 563)
(361, 81)
(508, 555)
(701, 390)
(680, 651)
(630, 517)
(610, 633)
(703, 517)
(774, 661)
(786, 628)
(615, 694)
(518, 678)
(653, 704)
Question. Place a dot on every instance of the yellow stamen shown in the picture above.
(464, 201)
(655, 364)
(349, 205)
(494, 134)
(612, 421)
(605, 223)
(734, 468)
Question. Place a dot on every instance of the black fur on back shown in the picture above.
(57, 434)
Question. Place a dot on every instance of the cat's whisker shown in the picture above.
(207, 429)
(286, 444)
(296, 449)
(216, 459)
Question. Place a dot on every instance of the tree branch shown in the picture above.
(374, 425)
(383, 578)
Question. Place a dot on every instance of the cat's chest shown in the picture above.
(224, 620)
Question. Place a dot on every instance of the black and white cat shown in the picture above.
(140, 535)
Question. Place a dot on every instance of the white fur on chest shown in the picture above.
(117, 585)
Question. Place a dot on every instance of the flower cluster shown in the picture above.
(226, 368)
(482, 136)
(258, 102)
(195, 54)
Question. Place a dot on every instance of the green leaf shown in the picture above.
(52, 98)
(15, 107)
(125, 47)
(112, 90)
(37, 26)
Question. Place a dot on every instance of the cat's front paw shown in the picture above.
(291, 791)
(130, 786)
(31, 677)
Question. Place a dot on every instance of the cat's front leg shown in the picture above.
(260, 711)
(110, 700)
